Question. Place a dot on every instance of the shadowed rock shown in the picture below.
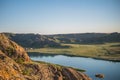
(99, 75)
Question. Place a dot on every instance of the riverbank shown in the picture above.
(108, 51)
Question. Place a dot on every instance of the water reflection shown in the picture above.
(36, 54)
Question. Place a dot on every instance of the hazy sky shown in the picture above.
(59, 16)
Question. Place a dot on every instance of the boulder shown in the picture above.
(99, 75)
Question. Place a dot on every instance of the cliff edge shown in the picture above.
(15, 64)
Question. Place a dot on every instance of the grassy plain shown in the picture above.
(107, 51)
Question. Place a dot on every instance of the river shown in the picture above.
(110, 69)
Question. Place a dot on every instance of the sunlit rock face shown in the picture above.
(15, 64)
(12, 49)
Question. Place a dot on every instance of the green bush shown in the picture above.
(26, 71)
(19, 60)
(10, 51)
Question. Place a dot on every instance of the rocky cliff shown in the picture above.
(12, 50)
(15, 64)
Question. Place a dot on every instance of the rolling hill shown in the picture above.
(38, 41)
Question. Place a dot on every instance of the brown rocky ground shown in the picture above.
(15, 64)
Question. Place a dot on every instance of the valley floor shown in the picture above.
(107, 51)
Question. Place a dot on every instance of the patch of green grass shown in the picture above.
(26, 71)
(104, 51)
(19, 60)
(81, 70)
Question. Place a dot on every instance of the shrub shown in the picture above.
(26, 71)
(19, 60)
(10, 51)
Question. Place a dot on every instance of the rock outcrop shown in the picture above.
(12, 49)
(9, 69)
(15, 64)
(99, 75)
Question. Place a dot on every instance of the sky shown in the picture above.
(59, 16)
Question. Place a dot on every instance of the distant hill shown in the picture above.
(37, 40)
(87, 38)
(33, 40)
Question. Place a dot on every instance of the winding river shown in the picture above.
(110, 69)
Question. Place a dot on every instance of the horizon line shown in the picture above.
(59, 33)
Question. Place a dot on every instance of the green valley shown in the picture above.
(108, 51)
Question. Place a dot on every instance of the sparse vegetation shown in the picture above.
(26, 71)
(10, 51)
(19, 60)
(81, 70)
